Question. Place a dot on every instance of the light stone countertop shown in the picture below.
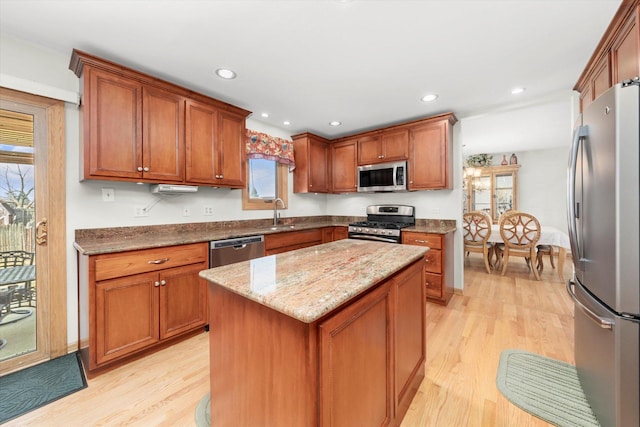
(308, 283)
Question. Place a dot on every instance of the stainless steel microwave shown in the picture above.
(383, 177)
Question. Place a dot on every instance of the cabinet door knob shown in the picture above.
(156, 284)
(146, 169)
(163, 282)
(139, 168)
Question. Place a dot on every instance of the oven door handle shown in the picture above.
(377, 238)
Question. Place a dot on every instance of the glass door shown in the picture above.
(18, 284)
(503, 193)
(33, 276)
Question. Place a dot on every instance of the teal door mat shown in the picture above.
(546, 388)
(36, 386)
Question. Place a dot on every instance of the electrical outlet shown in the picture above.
(139, 211)
(186, 211)
(208, 210)
(108, 194)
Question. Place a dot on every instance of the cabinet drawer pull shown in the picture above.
(158, 261)
(421, 241)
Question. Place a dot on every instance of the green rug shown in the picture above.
(36, 386)
(546, 388)
(203, 412)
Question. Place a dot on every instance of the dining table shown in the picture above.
(549, 235)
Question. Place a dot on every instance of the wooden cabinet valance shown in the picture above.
(617, 56)
(138, 128)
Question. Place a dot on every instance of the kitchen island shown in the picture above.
(327, 335)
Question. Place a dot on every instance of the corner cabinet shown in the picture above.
(344, 172)
(430, 153)
(312, 157)
(138, 128)
(494, 191)
(136, 300)
(438, 264)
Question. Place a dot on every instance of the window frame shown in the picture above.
(282, 190)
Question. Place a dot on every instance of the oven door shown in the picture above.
(362, 236)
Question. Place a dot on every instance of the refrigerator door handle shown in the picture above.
(603, 322)
(578, 135)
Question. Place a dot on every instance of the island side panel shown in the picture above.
(263, 364)
(356, 362)
(410, 335)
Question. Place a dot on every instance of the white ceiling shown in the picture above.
(365, 63)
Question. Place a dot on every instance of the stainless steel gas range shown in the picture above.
(384, 223)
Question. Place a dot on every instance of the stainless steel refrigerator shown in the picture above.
(603, 193)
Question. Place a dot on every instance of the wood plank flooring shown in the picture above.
(464, 342)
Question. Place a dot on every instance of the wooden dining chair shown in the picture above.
(476, 227)
(542, 251)
(520, 232)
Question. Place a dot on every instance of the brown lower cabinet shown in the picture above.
(139, 299)
(438, 263)
(360, 365)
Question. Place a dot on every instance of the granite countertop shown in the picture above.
(308, 283)
(119, 239)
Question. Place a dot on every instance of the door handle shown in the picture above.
(41, 232)
(603, 322)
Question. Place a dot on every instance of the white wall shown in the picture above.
(542, 185)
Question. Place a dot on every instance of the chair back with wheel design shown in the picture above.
(476, 226)
(520, 232)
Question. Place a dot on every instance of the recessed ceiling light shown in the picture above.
(265, 115)
(335, 123)
(517, 90)
(428, 98)
(286, 123)
(225, 73)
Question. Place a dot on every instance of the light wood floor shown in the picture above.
(464, 342)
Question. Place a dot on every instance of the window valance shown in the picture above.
(263, 146)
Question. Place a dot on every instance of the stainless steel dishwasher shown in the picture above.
(229, 251)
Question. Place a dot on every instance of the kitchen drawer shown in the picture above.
(433, 261)
(433, 241)
(108, 266)
(433, 285)
(292, 238)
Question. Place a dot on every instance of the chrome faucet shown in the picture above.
(275, 209)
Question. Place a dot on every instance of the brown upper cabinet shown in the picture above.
(312, 157)
(344, 172)
(385, 146)
(138, 128)
(214, 146)
(617, 56)
(430, 160)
